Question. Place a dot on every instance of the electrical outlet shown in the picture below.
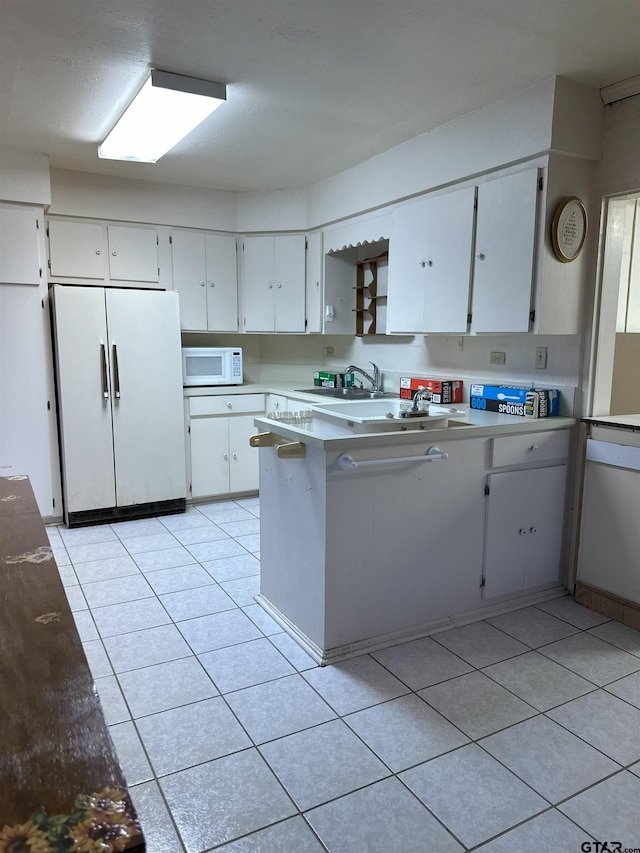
(328, 351)
(541, 358)
(497, 358)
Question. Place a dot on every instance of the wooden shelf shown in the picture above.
(367, 296)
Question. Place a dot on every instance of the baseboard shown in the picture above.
(608, 604)
(323, 657)
(104, 515)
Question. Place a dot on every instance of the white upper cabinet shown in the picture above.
(77, 250)
(96, 252)
(273, 283)
(430, 254)
(206, 277)
(133, 254)
(503, 272)
(20, 244)
(314, 282)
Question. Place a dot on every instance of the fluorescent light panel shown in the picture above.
(166, 109)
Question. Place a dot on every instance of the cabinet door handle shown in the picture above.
(278, 284)
(235, 455)
(212, 284)
(533, 530)
(225, 456)
(202, 284)
(229, 404)
(114, 253)
(103, 372)
(480, 256)
(269, 285)
(522, 531)
(534, 448)
(116, 373)
(426, 263)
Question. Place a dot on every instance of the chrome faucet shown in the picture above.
(421, 394)
(374, 380)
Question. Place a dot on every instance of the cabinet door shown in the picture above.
(77, 250)
(430, 264)
(244, 471)
(222, 283)
(189, 270)
(289, 285)
(86, 434)
(133, 254)
(209, 456)
(406, 284)
(546, 524)
(524, 529)
(448, 247)
(147, 395)
(258, 284)
(20, 261)
(504, 253)
(313, 288)
(24, 427)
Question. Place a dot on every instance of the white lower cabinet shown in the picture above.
(523, 543)
(222, 462)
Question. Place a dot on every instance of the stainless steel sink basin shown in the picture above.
(348, 393)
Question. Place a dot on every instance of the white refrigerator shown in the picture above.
(120, 402)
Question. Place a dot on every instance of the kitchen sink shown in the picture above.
(376, 415)
(348, 393)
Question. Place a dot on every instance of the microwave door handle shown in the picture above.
(116, 373)
(104, 373)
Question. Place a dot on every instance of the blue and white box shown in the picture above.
(513, 400)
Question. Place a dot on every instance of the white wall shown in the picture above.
(24, 177)
(272, 211)
(103, 197)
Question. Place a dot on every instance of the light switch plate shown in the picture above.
(497, 358)
(541, 358)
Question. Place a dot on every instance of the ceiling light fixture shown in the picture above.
(628, 88)
(167, 108)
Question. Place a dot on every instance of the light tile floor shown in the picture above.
(521, 732)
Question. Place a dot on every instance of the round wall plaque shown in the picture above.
(569, 229)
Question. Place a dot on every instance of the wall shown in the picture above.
(102, 197)
(625, 387)
(24, 177)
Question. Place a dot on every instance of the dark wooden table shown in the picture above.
(56, 755)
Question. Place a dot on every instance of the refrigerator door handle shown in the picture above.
(105, 376)
(116, 373)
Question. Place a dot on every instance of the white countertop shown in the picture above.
(476, 424)
(622, 421)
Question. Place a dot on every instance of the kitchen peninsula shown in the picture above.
(368, 538)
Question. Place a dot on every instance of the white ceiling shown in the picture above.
(314, 86)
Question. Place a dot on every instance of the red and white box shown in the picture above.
(442, 390)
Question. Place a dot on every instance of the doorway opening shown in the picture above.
(615, 374)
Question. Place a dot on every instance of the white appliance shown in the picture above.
(120, 402)
(212, 366)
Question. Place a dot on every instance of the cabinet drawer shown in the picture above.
(224, 404)
(532, 447)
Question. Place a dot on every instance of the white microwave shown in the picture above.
(212, 365)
